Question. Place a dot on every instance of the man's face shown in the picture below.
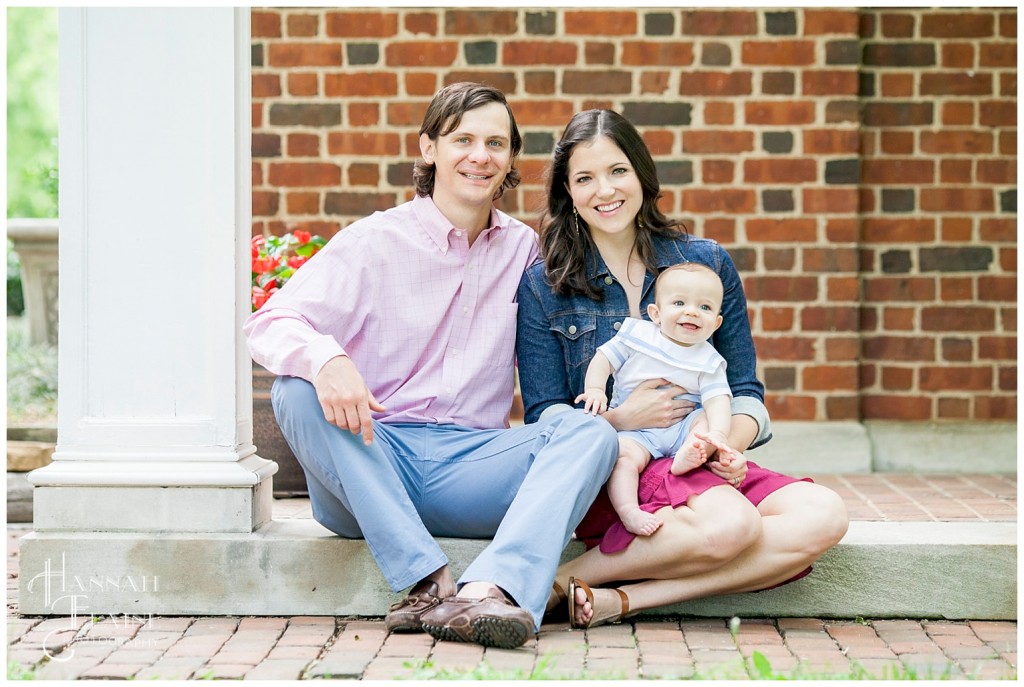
(472, 161)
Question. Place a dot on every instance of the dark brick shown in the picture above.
(659, 24)
(400, 173)
(257, 55)
(842, 111)
(866, 25)
(538, 142)
(266, 145)
(362, 53)
(503, 81)
(899, 54)
(777, 141)
(357, 204)
(716, 55)
(661, 114)
(899, 114)
(897, 200)
(599, 82)
(674, 172)
(778, 83)
(780, 23)
(961, 259)
(779, 259)
(866, 85)
(481, 52)
(780, 378)
(842, 171)
(745, 259)
(777, 200)
(1008, 201)
(541, 23)
(305, 115)
(481, 22)
(842, 52)
(896, 261)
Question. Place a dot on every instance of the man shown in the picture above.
(395, 348)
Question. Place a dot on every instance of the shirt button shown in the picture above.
(465, 308)
(572, 329)
(617, 326)
(458, 233)
(607, 280)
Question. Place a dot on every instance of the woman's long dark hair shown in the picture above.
(566, 250)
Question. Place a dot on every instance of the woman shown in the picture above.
(726, 529)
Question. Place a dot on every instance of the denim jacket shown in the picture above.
(558, 335)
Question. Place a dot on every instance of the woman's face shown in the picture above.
(604, 187)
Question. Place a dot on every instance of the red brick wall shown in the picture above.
(859, 165)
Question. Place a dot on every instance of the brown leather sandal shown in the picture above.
(555, 612)
(601, 616)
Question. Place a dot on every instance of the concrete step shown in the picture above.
(894, 562)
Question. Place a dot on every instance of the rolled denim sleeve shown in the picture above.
(749, 405)
(543, 378)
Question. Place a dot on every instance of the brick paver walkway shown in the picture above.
(327, 647)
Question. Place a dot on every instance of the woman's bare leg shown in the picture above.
(714, 527)
(799, 522)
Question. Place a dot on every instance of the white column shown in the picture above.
(154, 430)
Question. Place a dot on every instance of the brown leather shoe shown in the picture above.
(490, 621)
(405, 615)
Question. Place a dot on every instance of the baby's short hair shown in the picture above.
(682, 267)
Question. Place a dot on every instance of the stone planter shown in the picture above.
(35, 242)
(289, 481)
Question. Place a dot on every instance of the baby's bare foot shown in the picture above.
(693, 454)
(641, 523)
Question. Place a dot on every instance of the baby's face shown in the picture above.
(688, 306)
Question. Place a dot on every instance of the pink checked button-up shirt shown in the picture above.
(429, 321)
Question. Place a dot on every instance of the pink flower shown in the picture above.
(259, 297)
(276, 259)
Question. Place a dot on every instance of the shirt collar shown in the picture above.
(438, 227)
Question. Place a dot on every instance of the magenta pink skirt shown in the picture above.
(660, 488)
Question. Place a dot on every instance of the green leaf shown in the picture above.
(762, 665)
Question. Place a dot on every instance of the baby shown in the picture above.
(674, 346)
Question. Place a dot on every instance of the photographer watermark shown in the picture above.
(69, 594)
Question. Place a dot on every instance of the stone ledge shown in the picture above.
(803, 448)
(296, 567)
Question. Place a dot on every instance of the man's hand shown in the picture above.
(344, 397)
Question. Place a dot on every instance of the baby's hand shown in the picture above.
(716, 439)
(596, 401)
(725, 454)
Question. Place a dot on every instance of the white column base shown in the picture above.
(153, 496)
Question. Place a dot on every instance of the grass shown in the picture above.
(31, 378)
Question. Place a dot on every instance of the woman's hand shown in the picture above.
(651, 406)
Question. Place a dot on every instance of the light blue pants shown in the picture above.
(526, 488)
